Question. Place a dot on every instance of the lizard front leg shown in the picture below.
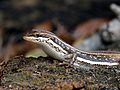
(71, 58)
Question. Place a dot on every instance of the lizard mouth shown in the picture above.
(27, 38)
(31, 39)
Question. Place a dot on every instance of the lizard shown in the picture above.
(58, 49)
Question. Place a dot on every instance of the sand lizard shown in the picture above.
(58, 49)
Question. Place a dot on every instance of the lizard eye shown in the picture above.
(37, 35)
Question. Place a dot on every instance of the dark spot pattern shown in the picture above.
(43, 33)
(88, 56)
(56, 48)
(62, 45)
(97, 58)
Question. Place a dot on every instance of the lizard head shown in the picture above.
(38, 36)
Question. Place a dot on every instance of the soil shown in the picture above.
(47, 73)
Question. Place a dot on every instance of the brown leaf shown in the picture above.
(46, 25)
(88, 27)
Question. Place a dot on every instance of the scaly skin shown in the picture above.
(60, 50)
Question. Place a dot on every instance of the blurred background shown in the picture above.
(74, 21)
